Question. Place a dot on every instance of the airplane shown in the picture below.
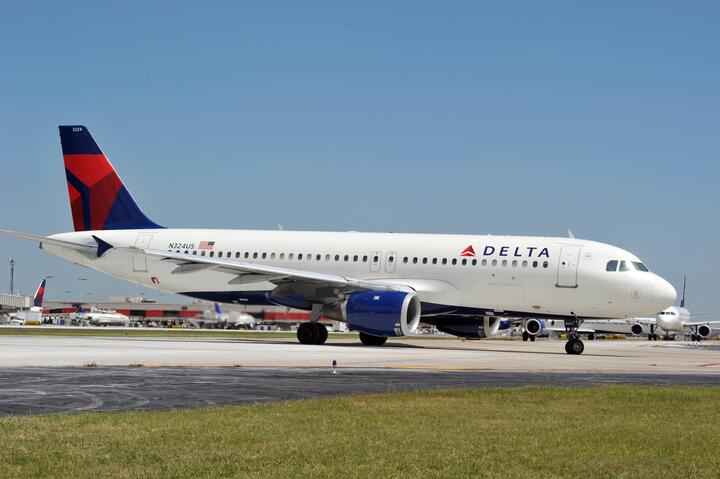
(380, 284)
(99, 317)
(232, 320)
(679, 320)
(34, 314)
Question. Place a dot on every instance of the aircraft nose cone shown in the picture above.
(663, 294)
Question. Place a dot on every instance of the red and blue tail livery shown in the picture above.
(98, 197)
(39, 295)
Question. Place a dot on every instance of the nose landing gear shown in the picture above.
(574, 345)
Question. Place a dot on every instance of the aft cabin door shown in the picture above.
(568, 267)
(139, 259)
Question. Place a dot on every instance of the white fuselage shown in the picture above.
(541, 276)
(673, 319)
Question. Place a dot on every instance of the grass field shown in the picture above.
(618, 431)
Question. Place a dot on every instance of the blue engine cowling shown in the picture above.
(382, 313)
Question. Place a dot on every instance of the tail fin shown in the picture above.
(682, 301)
(39, 295)
(80, 309)
(98, 198)
(218, 312)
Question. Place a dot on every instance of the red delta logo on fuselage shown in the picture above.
(514, 251)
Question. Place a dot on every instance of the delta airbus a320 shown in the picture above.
(381, 284)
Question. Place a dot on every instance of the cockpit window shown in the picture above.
(624, 266)
(640, 266)
(611, 266)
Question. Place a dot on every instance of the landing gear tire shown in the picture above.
(655, 337)
(574, 346)
(308, 333)
(370, 340)
(591, 337)
(532, 339)
(525, 336)
(650, 336)
(322, 333)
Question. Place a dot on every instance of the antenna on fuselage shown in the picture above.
(570, 234)
(682, 300)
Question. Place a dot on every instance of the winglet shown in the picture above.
(102, 247)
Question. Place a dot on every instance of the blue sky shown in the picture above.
(444, 117)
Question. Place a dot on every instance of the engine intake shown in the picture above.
(382, 313)
(534, 327)
(636, 329)
(704, 331)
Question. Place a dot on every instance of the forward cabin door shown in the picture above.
(568, 267)
(139, 259)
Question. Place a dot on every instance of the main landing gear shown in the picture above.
(653, 335)
(370, 340)
(574, 345)
(528, 337)
(312, 333)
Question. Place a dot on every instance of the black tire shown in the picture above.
(577, 347)
(307, 333)
(650, 336)
(322, 333)
(532, 339)
(591, 337)
(370, 340)
(567, 346)
(525, 336)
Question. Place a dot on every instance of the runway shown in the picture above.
(48, 374)
(502, 355)
(34, 391)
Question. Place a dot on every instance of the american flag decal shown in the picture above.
(206, 245)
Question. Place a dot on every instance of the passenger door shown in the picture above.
(568, 266)
(139, 259)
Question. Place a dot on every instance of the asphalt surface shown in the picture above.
(40, 391)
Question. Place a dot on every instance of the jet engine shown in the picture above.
(534, 326)
(636, 329)
(382, 313)
(704, 331)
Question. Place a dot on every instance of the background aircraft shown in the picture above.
(34, 314)
(99, 317)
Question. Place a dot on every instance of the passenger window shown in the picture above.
(186, 252)
(237, 255)
(405, 259)
(264, 255)
(624, 266)
(247, 255)
(195, 253)
(327, 257)
(514, 263)
(272, 255)
(309, 256)
(504, 263)
(219, 254)
(535, 263)
(212, 253)
(299, 256)
(345, 258)
(376, 259)
(444, 261)
(318, 257)
(525, 263)
(454, 261)
(424, 260)
(494, 263)
(474, 262)
(391, 259)
(282, 255)
(337, 257)
(434, 261)
(365, 259)
(484, 262)
(202, 253)
(611, 265)
(415, 260)
(545, 264)
(291, 256)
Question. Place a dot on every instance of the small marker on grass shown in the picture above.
(334, 367)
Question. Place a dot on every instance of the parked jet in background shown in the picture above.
(679, 320)
(380, 284)
(231, 320)
(34, 314)
(99, 317)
